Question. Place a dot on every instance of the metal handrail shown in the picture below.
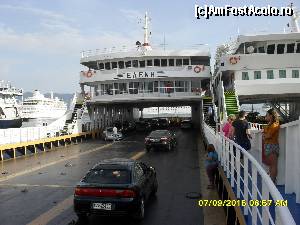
(283, 215)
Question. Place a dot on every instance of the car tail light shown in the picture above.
(99, 192)
(164, 139)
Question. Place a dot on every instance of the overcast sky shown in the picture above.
(41, 40)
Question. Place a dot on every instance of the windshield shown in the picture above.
(108, 176)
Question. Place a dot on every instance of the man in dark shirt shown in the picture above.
(241, 131)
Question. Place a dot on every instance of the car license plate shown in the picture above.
(154, 140)
(104, 206)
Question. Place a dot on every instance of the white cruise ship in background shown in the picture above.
(9, 111)
(260, 69)
(38, 106)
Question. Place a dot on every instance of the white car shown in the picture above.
(108, 135)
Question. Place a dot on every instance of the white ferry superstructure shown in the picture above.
(38, 106)
(9, 108)
(143, 77)
(260, 68)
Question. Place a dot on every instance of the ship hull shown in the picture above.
(10, 123)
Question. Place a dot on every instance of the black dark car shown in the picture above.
(160, 139)
(143, 126)
(154, 124)
(163, 123)
(128, 127)
(115, 187)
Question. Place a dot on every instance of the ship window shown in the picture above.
(280, 48)
(271, 49)
(164, 62)
(121, 64)
(178, 62)
(186, 62)
(155, 86)
(116, 88)
(156, 62)
(135, 63)
(270, 74)
(282, 73)
(290, 48)
(257, 75)
(245, 76)
(298, 48)
(179, 86)
(101, 66)
(261, 49)
(171, 62)
(295, 73)
(107, 66)
(142, 63)
(114, 65)
(200, 60)
(128, 64)
(149, 62)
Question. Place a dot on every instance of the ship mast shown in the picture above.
(294, 20)
(146, 44)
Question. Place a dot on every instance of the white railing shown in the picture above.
(256, 126)
(26, 134)
(289, 154)
(250, 180)
(124, 48)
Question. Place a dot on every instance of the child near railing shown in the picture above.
(211, 165)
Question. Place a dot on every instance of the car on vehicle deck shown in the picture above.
(108, 135)
(186, 124)
(115, 187)
(160, 139)
(163, 123)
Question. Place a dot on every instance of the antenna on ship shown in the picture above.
(146, 43)
(294, 19)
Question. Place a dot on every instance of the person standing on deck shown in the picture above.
(227, 128)
(271, 144)
(115, 132)
(241, 131)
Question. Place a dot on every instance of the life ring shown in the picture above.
(89, 74)
(234, 60)
(197, 69)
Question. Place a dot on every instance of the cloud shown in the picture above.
(133, 16)
(35, 11)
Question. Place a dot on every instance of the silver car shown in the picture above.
(108, 135)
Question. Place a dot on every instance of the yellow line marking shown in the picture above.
(52, 163)
(65, 204)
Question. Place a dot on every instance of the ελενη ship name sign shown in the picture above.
(136, 75)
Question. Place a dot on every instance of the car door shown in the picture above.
(147, 177)
(140, 179)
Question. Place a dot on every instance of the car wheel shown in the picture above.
(82, 217)
(169, 147)
(140, 214)
(155, 187)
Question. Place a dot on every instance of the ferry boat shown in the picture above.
(38, 106)
(262, 68)
(9, 110)
(124, 81)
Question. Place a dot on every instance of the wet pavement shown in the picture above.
(44, 195)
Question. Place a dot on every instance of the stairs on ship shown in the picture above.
(209, 119)
(70, 123)
(231, 103)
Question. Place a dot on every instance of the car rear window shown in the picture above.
(158, 133)
(108, 176)
(110, 129)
